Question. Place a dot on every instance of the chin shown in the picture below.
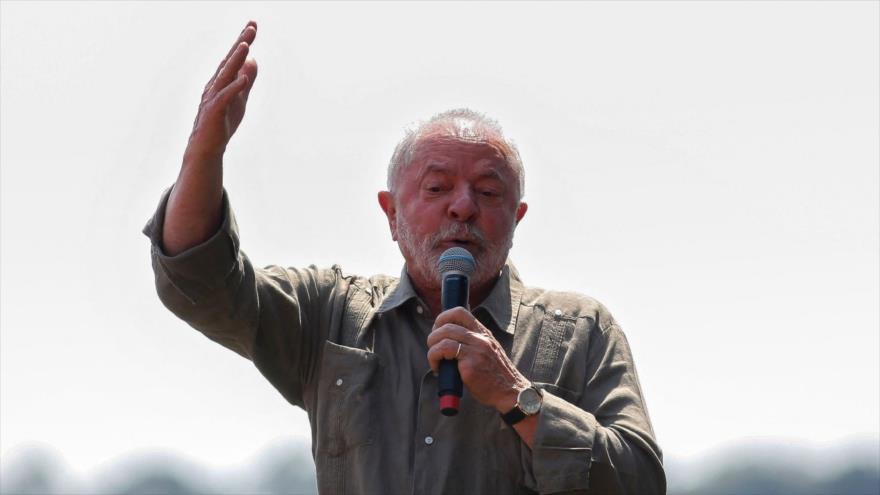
(422, 266)
(485, 276)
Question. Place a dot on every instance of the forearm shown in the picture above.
(526, 429)
(212, 285)
(194, 210)
(272, 315)
(625, 463)
(572, 450)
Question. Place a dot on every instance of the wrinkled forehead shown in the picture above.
(486, 150)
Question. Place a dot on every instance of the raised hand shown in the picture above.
(224, 99)
(194, 210)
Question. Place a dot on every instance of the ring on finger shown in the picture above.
(457, 351)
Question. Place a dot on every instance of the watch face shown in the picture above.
(530, 401)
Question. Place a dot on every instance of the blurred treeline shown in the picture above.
(756, 468)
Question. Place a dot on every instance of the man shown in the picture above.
(552, 401)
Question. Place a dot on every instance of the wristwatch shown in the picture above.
(528, 403)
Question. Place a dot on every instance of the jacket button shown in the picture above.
(429, 440)
(338, 382)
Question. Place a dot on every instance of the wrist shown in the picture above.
(508, 399)
(198, 158)
(528, 404)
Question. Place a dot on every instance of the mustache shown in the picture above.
(463, 231)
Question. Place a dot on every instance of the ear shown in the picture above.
(521, 211)
(386, 201)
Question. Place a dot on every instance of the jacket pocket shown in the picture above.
(345, 402)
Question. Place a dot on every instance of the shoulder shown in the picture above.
(569, 305)
(339, 278)
(333, 278)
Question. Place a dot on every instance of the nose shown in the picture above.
(463, 206)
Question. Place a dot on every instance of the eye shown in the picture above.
(488, 193)
(435, 187)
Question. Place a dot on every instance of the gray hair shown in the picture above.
(460, 123)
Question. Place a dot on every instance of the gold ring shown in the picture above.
(458, 351)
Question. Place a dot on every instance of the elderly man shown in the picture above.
(552, 401)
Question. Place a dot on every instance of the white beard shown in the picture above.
(426, 252)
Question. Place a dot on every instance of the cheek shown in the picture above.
(425, 218)
(499, 226)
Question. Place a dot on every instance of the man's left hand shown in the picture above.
(485, 369)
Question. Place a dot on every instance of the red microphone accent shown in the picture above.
(449, 403)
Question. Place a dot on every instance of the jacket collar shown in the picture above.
(401, 292)
(502, 303)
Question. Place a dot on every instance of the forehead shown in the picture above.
(457, 155)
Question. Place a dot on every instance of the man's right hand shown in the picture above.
(224, 99)
(194, 210)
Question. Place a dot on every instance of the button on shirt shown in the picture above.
(352, 350)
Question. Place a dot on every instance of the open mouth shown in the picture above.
(465, 243)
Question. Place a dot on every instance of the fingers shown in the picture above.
(445, 349)
(443, 343)
(250, 70)
(454, 332)
(229, 71)
(230, 91)
(247, 36)
(462, 317)
(460, 325)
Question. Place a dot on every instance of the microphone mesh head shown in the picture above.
(457, 259)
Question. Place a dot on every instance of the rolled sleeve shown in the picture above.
(277, 317)
(604, 443)
(201, 269)
(562, 446)
(211, 286)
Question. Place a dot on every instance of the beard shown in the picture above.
(425, 252)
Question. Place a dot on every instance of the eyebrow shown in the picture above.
(441, 168)
(492, 174)
(432, 167)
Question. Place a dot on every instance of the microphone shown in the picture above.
(456, 266)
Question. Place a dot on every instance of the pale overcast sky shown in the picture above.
(709, 171)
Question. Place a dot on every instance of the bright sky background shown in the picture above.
(709, 171)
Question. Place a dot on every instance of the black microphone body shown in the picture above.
(455, 293)
(456, 266)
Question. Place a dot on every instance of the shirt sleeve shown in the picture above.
(604, 443)
(273, 316)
